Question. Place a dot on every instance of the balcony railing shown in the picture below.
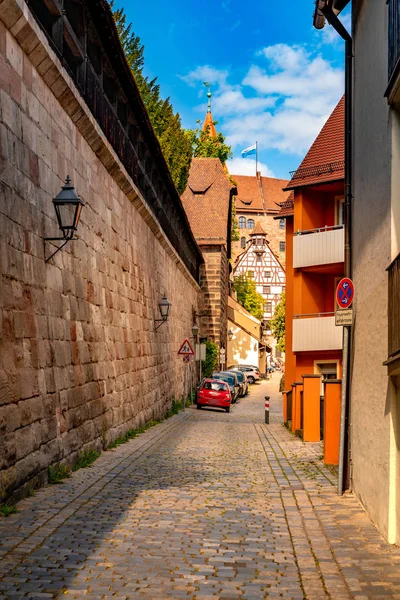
(322, 246)
(394, 35)
(394, 308)
(313, 332)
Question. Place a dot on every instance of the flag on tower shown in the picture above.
(249, 151)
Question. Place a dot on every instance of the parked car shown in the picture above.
(216, 393)
(231, 379)
(252, 372)
(243, 382)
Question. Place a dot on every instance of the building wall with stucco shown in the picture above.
(80, 361)
(374, 415)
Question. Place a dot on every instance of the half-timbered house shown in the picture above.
(259, 262)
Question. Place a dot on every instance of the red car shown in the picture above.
(214, 392)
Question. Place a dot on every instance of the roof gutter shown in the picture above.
(328, 10)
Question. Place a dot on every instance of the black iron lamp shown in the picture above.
(164, 307)
(195, 331)
(230, 334)
(68, 207)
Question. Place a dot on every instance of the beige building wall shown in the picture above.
(80, 362)
(374, 431)
(244, 347)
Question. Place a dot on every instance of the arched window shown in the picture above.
(242, 223)
(250, 224)
(243, 242)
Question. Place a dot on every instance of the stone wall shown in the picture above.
(79, 359)
(214, 282)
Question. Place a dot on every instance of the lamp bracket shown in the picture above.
(160, 322)
(65, 239)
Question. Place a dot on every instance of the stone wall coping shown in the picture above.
(20, 22)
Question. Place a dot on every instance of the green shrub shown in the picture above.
(7, 509)
(85, 459)
(211, 362)
(57, 473)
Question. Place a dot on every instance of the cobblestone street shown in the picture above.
(205, 505)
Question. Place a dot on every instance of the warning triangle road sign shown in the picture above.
(186, 348)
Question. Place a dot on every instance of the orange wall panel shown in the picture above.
(332, 397)
(290, 358)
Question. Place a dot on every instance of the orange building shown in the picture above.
(314, 265)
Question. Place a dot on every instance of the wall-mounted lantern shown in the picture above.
(68, 207)
(195, 332)
(164, 307)
(230, 334)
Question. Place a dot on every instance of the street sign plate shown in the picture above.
(186, 358)
(200, 352)
(344, 317)
(186, 348)
(345, 292)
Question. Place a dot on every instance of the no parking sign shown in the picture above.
(345, 293)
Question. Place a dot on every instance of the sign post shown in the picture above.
(222, 358)
(186, 351)
(200, 355)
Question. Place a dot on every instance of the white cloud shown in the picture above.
(282, 102)
(205, 73)
(247, 166)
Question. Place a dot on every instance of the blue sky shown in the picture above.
(274, 78)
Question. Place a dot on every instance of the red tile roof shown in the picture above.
(258, 230)
(287, 208)
(259, 195)
(324, 162)
(206, 200)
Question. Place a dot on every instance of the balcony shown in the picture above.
(393, 90)
(316, 332)
(314, 247)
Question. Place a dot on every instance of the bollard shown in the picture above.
(267, 410)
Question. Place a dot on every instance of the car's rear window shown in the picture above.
(227, 378)
(239, 375)
(217, 387)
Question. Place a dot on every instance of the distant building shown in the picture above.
(258, 200)
(246, 345)
(208, 204)
(260, 263)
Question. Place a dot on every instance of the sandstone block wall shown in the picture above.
(79, 359)
(214, 282)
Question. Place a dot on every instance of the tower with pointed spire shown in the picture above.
(208, 124)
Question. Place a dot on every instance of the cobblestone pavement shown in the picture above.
(205, 505)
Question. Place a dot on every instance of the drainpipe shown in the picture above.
(324, 11)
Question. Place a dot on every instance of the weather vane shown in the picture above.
(209, 94)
